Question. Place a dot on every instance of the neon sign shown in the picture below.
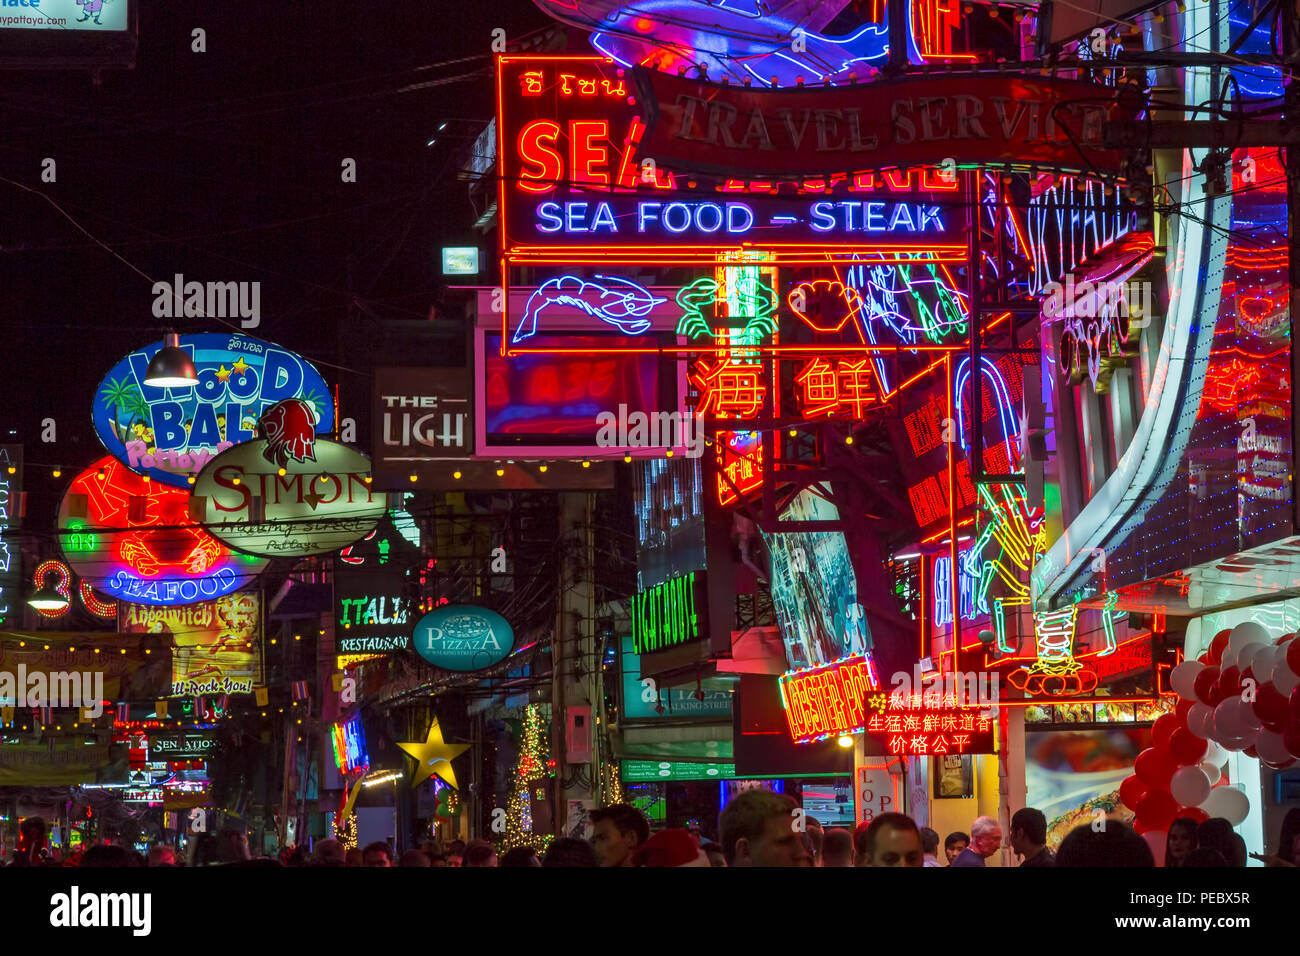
(62, 585)
(912, 728)
(148, 549)
(614, 300)
(171, 433)
(828, 700)
(349, 740)
(1068, 223)
(670, 614)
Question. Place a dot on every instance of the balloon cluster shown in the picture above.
(1243, 694)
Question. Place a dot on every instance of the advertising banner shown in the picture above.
(978, 119)
(375, 611)
(103, 666)
(217, 643)
(97, 16)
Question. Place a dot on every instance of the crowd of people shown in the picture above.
(758, 828)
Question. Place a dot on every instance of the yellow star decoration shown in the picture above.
(240, 366)
(223, 373)
(432, 752)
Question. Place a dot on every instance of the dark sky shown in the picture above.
(225, 166)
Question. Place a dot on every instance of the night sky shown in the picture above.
(226, 166)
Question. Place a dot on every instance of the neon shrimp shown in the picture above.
(619, 302)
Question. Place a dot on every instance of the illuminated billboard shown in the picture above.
(572, 176)
(169, 434)
(94, 16)
(827, 701)
(134, 539)
(216, 644)
(815, 589)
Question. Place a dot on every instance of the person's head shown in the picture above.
(1289, 842)
(714, 852)
(455, 859)
(837, 848)
(480, 853)
(458, 847)
(413, 857)
(758, 828)
(1028, 831)
(814, 837)
(520, 856)
(329, 853)
(1216, 834)
(1180, 841)
(570, 851)
(354, 857)
(104, 855)
(162, 856)
(860, 844)
(955, 843)
(670, 848)
(892, 839)
(985, 836)
(1114, 846)
(616, 832)
(378, 853)
(433, 851)
(204, 850)
(1203, 858)
(233, 846)
(929, 842)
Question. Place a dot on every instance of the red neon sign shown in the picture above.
(827, 701)
(910, 728)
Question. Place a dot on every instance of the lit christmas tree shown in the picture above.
(534, 755)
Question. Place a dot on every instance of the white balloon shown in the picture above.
(1261, 665)
(1227, 659)
(1246, 656)
(1215, 756)
(1247, 633)
(1183, 679)
(1227, 802)
(1200, 721)
(1211, 771)
(1189, 786)
(1269, 746)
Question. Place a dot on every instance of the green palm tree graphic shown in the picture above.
(123, 395)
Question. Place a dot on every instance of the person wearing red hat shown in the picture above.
(670, 848)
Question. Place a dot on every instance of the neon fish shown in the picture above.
(620, 302)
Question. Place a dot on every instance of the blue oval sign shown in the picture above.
(171, 433)
(458, 637)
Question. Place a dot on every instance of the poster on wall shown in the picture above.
(217, 644)
(170, 434)
(815, 589)
(1073, 775)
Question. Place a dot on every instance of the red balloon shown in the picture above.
(1195, 813)
(1157, 809)
(1295, 701)
(1131, 791)
(1229, 682)
(1285, 638)
(1182, 709)
(1186, 747)
(1217, 645)
(1162, 730)
(1250, 752)
(1139, 827)
(1293, 656)
(1203, 659)
(1279, 766)
(1205, 682)
(1154, 768)
(1291, 739)
(1270, 706)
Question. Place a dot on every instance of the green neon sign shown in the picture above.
(669, 614)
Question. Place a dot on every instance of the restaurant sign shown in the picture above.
(290, 494)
